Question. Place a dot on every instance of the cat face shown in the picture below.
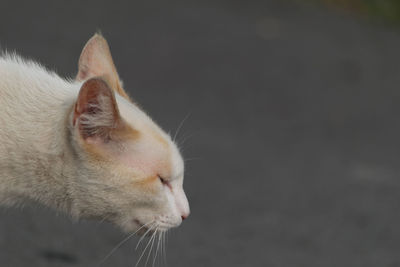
(132, 172)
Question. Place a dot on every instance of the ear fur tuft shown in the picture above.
(96, 111)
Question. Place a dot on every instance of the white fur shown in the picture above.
(41, 158)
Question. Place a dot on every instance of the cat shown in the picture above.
(83, 147)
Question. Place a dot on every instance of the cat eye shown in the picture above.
(165, 182)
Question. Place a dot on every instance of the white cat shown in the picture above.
(83, 147)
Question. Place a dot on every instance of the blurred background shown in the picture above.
(292, 138)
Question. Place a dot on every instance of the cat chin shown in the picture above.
(134, 226)
(140, 229)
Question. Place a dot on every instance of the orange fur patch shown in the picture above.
(97, 150)
(148, 180)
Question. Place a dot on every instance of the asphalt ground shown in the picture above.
(292, 142)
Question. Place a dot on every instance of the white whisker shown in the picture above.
(144, 251)
(163, 248)
(180, 126)
(151, 247)
(140, 240)
(184, 139)
(104, 218)
(158, 244)
(121, 243)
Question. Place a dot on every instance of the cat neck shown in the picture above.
(36, 157)
(43, 167)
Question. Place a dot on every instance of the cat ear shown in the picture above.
(96, 112)
(96, 61)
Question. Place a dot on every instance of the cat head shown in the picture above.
(131, 170)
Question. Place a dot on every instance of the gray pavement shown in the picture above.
(292, 139)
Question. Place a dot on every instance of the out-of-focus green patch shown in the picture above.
(388, 10)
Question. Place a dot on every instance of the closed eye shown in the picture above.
(164, 181)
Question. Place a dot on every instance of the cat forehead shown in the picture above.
(149, 130)
(140, 121)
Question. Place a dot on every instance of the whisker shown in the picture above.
(151, 247)
(158, 244)
(183, 149)
(144, 251)
(115, 248)
(184, 139)
(121, 243)
(165, 246)
(163, 249)
(180, 126)
(140, 240)
(104, 218)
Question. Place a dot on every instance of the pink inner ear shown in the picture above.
(96, 109)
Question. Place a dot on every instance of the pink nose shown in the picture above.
(184, 216)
